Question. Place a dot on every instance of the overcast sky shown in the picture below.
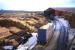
(34, 5)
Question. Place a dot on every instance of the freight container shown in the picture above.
(45, 33)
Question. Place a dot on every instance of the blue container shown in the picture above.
(42, 36)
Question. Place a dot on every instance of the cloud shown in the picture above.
(34, 5)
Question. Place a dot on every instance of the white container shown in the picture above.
(45, 32)
(32, 41)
